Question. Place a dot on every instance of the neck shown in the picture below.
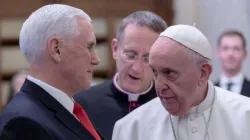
(51, 77)
(201, 97)
(231, 73)
(142, 91)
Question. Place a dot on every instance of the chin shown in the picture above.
(176, 113)
(230, 66)
(230, 69)
(131, 89)
(85, 86)
(173, 112)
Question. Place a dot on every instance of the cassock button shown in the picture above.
(192, 117)
(194, 130)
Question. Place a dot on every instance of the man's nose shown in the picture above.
(95, 59)
(160, 83)
(137, 66)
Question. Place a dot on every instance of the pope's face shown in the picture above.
(176, 76)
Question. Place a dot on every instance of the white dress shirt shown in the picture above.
(237, 81)
(59, 95)
(131, 96)
(229, 120)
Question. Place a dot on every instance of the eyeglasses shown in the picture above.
(132, 57)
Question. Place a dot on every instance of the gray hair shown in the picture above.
(196, 58)
(54, 20)
(142, 18)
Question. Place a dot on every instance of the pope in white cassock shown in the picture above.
(188, 106)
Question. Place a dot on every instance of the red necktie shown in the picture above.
(83, 118)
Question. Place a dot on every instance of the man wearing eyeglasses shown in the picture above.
(133, 84)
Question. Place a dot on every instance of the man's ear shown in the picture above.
(206, 70)
(53, 47)
(114, 45)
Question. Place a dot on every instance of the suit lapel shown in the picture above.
(73, 124)
(96, 128)
(217, 84)
(61, 113)
(245, 88)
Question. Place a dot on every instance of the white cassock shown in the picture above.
(230, 120)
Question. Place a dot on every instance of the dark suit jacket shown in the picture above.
(245, 87)
(105, 104)
(33, 114)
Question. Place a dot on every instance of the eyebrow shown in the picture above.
(169, 69)
(129, 51)
(133, 51)
(165, 69)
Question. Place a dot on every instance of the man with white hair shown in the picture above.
(188, 106)
(58, 41)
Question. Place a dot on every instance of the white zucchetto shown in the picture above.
(190, 37)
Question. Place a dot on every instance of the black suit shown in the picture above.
(33, 114)
(105, 104)
(245, 87)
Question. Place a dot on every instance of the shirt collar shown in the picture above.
(131, 96)
(207, 102)
(59, 95)
(237, 79)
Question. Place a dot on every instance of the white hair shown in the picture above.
(197, 58)
(48, 21)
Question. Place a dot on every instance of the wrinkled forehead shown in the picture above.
(139, 39)
(165, 51)
(232, 40)
(136, 48)
(166, 46)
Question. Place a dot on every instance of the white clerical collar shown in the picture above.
(59, 95)
(207, 102)
(131, 96)
(237, 79)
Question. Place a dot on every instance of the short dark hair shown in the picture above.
(233, 33)
(142, 18)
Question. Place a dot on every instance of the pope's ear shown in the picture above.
(205, 72)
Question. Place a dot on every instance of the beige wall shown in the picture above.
(214, 16)
(210, 16)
